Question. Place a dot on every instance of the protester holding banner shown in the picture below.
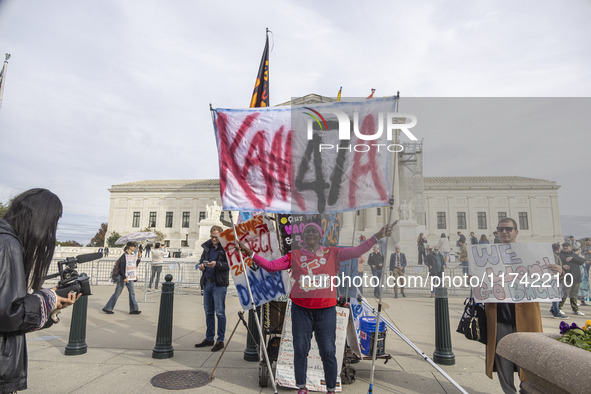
(505, 318)
(124, 274)
(314, 299)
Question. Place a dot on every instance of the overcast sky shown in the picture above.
(99, 93)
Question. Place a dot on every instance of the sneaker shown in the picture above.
(217, 346)
(579, 313)
(303, 391)
(135, 312)
(108, 312)
(403, 295)
(395, 295)
(204, 343)
(561, 317)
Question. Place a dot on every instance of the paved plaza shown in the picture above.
(120, 349)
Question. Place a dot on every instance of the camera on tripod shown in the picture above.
(70, 280)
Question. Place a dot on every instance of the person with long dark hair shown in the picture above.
(27, 241)
(125, 270)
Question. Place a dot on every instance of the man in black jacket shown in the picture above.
(214, 282)
(436, 264)
(570, 265)
(376, 262)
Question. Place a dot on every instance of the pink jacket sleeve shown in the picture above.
(354, 252)
(282, 263)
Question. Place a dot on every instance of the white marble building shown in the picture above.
(176, 207)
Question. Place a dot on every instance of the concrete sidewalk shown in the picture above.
(120, 349)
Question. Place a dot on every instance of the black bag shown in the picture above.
(115, 272)
(473, 321)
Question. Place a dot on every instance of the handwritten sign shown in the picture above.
(291, 228)
(130, 266)
(259, 235)
(516, 272)
(284, 375)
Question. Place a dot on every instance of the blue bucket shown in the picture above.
(367, 331)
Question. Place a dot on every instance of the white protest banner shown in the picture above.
(284, 375)
(130, 266)
(306, 159)
(513, 272)
(259, 235)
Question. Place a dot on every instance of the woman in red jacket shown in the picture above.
(313, 298)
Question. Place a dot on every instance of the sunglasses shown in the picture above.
(507, 229)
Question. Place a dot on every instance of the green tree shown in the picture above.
(99, 239)
(3, 209)
(69, 243)
(113, 238)
(158, 233)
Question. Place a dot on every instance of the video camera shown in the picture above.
(70, 280)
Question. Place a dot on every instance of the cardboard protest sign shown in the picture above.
(130, 266)
(291, 228)
(279, 160)
(284, 374)
(515, 272)
(259, 235)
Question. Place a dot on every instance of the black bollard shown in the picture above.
(77, 342)
(443, 353)
(163, 348)
(251, 353)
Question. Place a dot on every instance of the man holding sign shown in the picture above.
(504, 318)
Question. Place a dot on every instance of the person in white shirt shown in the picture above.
(157, 259)
(444, 248)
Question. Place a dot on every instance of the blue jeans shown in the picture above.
(555, 309)
(156, 270)
(113, 300)
(214, 303)
(465, 268)
(323, 323)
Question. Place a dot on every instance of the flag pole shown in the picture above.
(3, 76)
(253, 307)
(351, 269)
(376, 333)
